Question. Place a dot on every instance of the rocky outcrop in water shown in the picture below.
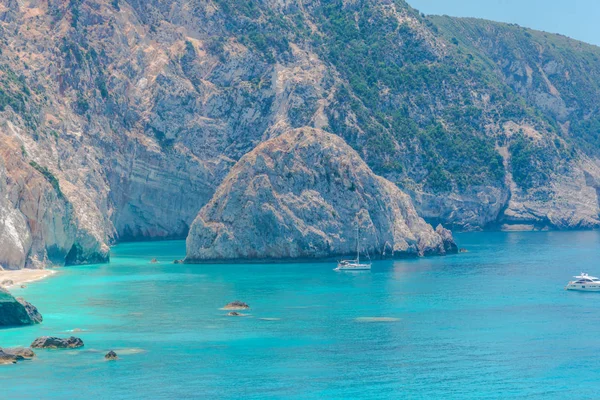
(301, 195)
(111, 356)
(50, 342)
(6, 358)
(236, 305)
(22, 352)
(16, 311)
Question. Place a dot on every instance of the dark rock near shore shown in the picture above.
(7, 282)
(6, 358)
(50, 342)
(177, 261)
(234, 314)
(111, 356)
(237, 305)
(17, 311)
(23, 352)
(31, 310)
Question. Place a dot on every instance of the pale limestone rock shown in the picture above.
(299, 196)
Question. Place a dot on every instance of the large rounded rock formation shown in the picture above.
(301, 195)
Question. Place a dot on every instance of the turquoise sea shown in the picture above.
(491, 323)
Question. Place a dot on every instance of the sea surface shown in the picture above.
(491, 323)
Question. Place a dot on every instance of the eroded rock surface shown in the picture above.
(236, 305)
(301, 195)
(50, 342)
(22, 352)
(6, 358)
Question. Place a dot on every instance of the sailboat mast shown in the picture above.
(357, 244)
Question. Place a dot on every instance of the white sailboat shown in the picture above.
(354, 265)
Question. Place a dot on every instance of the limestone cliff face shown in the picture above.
(39, 222)
(300, 195)
(137, 110)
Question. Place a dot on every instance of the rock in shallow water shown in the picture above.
(50, 342)
(111, 356)
(300, 195)
(16, 311)
(6, 358)
(23, 352)
(236, 305)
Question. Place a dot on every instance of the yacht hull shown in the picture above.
(583, 288)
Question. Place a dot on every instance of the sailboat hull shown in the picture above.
(353, 267)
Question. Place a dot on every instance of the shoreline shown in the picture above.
(23, 276)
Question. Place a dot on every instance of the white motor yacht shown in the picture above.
(585, 283)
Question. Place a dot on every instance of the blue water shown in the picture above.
(491, 323)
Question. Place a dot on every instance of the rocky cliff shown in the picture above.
(301, 195)
(122, 117)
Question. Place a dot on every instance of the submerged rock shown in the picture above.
(23, 352)
(300, 195)
(154, 261)
(234, 314)
(111, 355)
(17, 311)
(50, 342)
(236, 305)
(177, 261)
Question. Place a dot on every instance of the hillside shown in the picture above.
(122, 117)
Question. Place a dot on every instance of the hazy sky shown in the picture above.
(579, 19)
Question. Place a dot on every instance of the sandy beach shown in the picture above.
(23, 276)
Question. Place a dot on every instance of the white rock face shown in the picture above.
(14, 235)
(299, 196)
(43, 217)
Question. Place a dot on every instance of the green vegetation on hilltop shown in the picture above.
(398, 73)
